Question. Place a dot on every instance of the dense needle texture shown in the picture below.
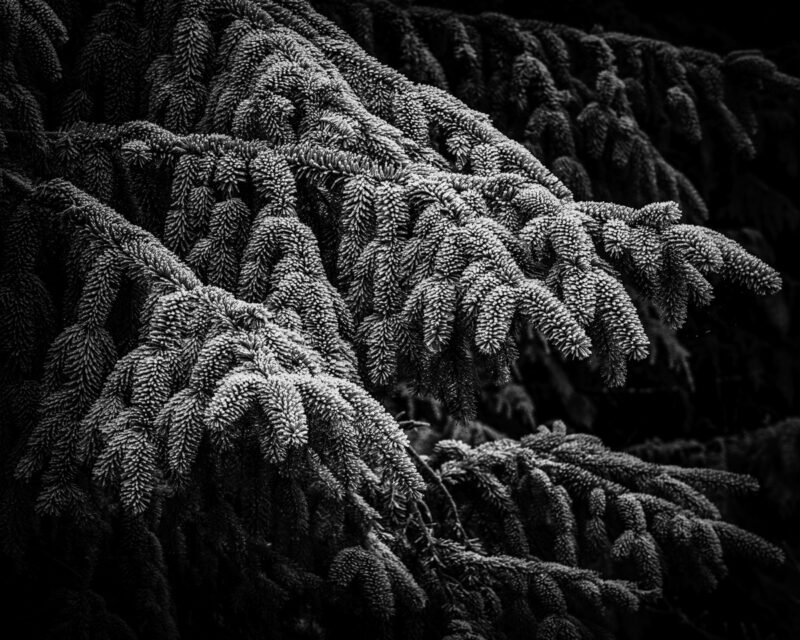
(230, 235)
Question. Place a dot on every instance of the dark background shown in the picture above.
(770, 25)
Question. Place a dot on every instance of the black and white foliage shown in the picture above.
(228, 234)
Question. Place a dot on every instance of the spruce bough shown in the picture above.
(229, 233)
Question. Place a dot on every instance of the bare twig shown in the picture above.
(448, 496)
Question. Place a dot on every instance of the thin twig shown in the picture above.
(407, 425)
(448, 496)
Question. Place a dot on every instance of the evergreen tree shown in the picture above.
(614, 116)
(230, 235)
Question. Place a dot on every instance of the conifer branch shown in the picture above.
(206, 291)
